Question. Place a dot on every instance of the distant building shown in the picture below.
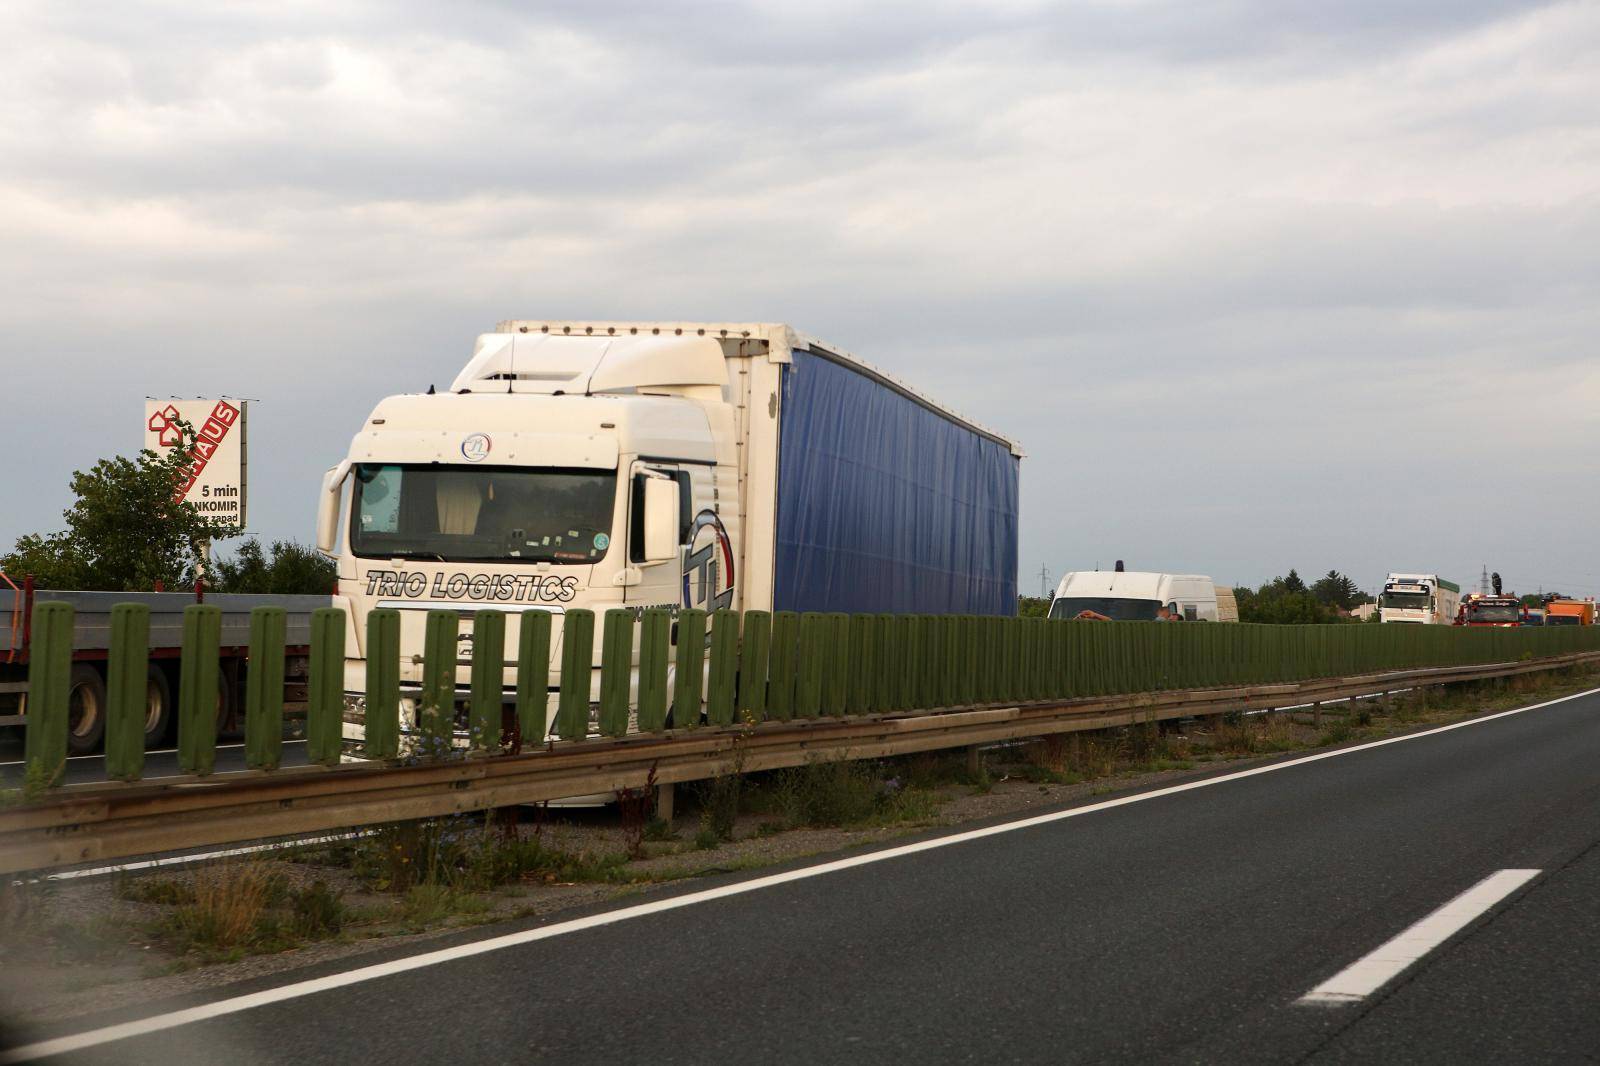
(1364, 612)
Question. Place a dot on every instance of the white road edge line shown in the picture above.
(180, 860)
(233, 1005)
(153, 751)
(1393, 957)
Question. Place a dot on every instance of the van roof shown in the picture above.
(1127, 583)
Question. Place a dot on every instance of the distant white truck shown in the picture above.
(1427, 599)
(1130, 596)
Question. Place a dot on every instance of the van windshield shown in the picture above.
(482, 514)
(1116, 608)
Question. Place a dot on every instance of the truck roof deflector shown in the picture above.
(544, 363)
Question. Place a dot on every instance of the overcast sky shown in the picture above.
(1257, 285)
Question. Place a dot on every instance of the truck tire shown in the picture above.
(157, 708)
(86, 709)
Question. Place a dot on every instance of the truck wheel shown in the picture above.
(86, 710)
(157, 707)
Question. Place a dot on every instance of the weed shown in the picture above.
(1338, 733)
(659, 829)
(635, 806)
(427, 903)
(318, 911)
(706, 839)
(719, 803)
(229, 899)
(838, 793)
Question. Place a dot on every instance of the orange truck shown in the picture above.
(1569, 612)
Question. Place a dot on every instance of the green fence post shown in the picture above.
(263, 689)
(655, 640)
(689, 682)
(836, 673)
(199, 688)
(616, 671)
(436, 704)
(49, 690)
(127, 684)
(783, 662)
(908, 662)
(382, 727)
(577, 674)
(809, 686)
(533, 677)
(862, 695)
(724, 666)
(486, 701)
(885, 653)
(325, 688)
(754, 653)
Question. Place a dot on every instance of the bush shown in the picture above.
(318, 911)
(229, 901)
(838, 793)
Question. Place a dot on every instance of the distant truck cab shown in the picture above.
(1491, 611)
(1425, 599)
(1569, 612)
(1126, 596)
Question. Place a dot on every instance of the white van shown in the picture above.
(1126, 596)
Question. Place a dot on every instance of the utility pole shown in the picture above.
(1483, 582)
(1044, 582)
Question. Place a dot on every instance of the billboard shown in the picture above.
(214, 479)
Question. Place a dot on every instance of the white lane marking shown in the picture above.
(179, 860)
(234, 1005)
(153, 751)
(1388, 960)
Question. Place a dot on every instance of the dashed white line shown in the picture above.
(236, 1004)
(1393, 957)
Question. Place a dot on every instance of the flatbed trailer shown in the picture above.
(91, 641)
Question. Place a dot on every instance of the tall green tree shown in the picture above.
(125, 530)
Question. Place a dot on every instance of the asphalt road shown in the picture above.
(1181, 928)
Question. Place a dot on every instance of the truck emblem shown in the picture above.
(708, 565)
(475, 449)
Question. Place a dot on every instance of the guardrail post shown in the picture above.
(436, 703)
(782, 665)
(655, 639)
(127, 685)
(49, 689)
(263, 689)
(325, 689)
(382, 725)
(533, 676)
(754, 652)
(616, 671)
(724, 666)
(577, 674)
(688, 683)
(198, 688)
(487, 701)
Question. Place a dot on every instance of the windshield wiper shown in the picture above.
(418, 555)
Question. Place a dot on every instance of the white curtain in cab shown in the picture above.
(460, 497)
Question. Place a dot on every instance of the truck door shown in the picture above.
(659, 584)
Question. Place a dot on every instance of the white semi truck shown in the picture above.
(1427, 599)
(607, 465)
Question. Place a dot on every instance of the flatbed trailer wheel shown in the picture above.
(86, 710)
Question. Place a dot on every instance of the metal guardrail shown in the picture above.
(105, 822)
(765, 676)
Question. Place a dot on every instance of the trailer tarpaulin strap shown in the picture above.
(885, 505)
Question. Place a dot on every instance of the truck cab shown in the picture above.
(1419, 599)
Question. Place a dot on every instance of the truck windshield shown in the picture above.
(1494, 612)
(1116, 608)
(1409, 601)
(482, 514)
(1558, 620)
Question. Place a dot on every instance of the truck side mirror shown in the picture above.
(660, 519)
(328, 508)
